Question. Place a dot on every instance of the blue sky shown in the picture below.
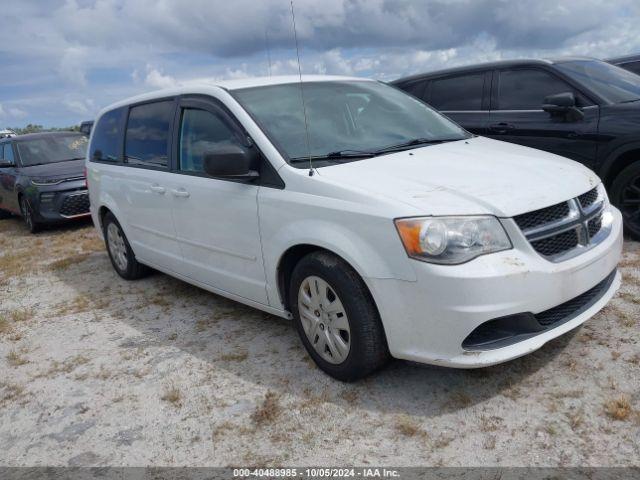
(63, 60)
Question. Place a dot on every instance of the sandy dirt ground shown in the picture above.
(99, 371)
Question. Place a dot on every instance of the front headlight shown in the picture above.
(44, 181)
(452, 240)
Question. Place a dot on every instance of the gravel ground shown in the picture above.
(100, 371)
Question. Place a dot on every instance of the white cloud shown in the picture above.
(156, 79)
(76, 49)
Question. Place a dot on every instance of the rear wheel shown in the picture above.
(28, 216)
(336, 317)
(625, 194)
(122, 258)
(4, 214)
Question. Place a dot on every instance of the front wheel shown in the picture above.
(336, 317)
(122, 258)
(625, 194)
(28, 216)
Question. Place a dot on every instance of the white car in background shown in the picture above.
(381, 227)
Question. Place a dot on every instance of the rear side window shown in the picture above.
(202, 132)
(457, 93)
(527, 89)
(105, 144)
(147, 135)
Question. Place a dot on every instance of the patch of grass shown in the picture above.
(630, 297)
(9, 392)
(68, 366)
(618, 408)
(268, 411)
(66, 262)
(350, 396)
(15, 263)
(5, 326)
(460, 400)
(234, 357)
(625, 319)
(21, 314)
(408, 427)
(490, 424)
(16, 359)
(173, 396)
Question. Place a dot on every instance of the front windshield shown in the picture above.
(52, 149)
(346, 116)
(612, 83)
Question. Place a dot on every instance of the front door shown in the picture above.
(8, 174)
(216, 220)
(517, 115)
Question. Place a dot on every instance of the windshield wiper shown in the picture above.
(340, 154)
(631, 101)
(416, 142)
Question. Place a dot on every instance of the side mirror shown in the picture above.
(5, 164)
(231, 161)
(563, 104)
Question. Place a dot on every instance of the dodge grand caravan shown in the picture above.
(381, 227)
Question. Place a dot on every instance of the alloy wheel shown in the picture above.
(630, 202)
(117, 247)
(26, 213)
(324, 320)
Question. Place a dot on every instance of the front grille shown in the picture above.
(589, 198)
(556, 244)
(543, 216)
(573, 307)
(557, 231)
(595, 224)
(75, 205)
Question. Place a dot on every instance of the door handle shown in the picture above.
(155, 188)
(181, 193)
(501, 127)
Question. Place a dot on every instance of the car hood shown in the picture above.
(70, 169)
(474, 176)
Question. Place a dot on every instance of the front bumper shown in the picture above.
(428, 320)
(59, 203)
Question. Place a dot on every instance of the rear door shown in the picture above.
(216, 220)
(464, 98)
(517, 115)
(147, 183)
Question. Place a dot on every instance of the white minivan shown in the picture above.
(379, 226)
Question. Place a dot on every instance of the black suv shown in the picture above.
(580, 108)
(630, 62)
(42, 177)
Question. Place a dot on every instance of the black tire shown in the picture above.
(4, 214)
(368, 350)
(28, 216)
(625, 194)
(133, 270)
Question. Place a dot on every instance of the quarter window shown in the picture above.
(202, 132)
(415, 88)
(527, 89)
(632, 67)
(457, 93)
(147, 135)
(105, 144)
